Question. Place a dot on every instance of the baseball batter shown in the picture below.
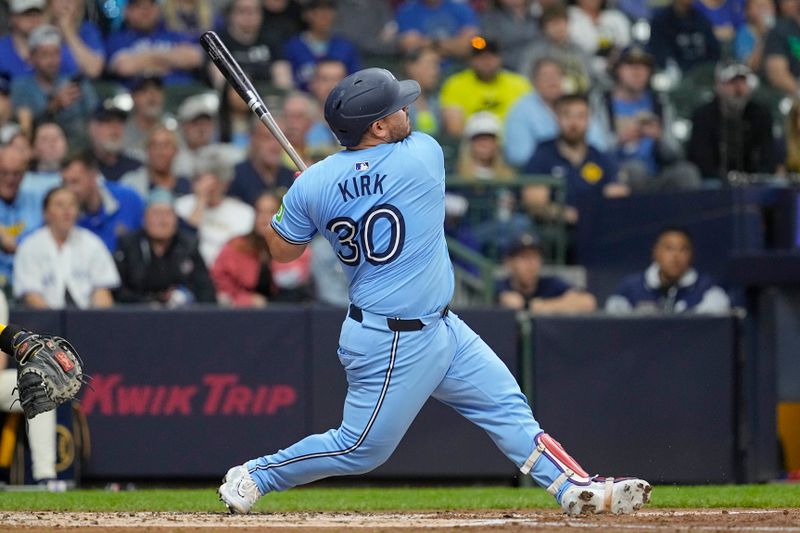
(380, 203)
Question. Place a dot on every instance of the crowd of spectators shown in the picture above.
(130, 171)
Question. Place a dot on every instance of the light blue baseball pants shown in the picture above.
(390, 376)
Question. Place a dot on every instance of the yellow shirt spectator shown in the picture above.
(484, 86)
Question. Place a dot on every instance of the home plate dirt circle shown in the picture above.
(648, 520)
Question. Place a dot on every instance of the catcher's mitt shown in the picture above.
(49, 371)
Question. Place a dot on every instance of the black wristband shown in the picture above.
(7, 338)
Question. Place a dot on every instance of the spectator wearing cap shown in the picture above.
(62, 265)
(107, 209)
(161, 263)
(81, 36)
(513, 25)
(598, 29)
(263, 170)
(369, 25)
(650, 157)
(216, 216)
(20, 209)
(24, 17)
(47, 94)
(480, 157)
(483, 86)
(146, 48)
(249, 42)
(732, 132)
(526, 289)
(147, 94)
(161, 148)
(670, 284)
(107, 141)
(318, 42)
(556, 44)
(781, 58)
(681, 33)
(197, 116)
(532, 118)
(589, 174)
(445, 25)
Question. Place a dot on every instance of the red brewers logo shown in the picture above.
(64, 361)
(220, 394)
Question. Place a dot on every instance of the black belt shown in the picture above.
(395, 324)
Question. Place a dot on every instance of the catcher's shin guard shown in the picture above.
(551, 466)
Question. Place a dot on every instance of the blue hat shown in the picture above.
(524, 241)
(159, 195)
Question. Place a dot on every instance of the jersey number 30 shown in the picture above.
(357, 242)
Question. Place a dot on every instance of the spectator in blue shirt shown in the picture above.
(725, 16)
(109, 210)
(145, 48)
(318, 42)
(532, 118)
(588, 172)
(681, 33)
(445, 25)
(526, 290)
(650, 157)
(47, 94)
(670, 284)
(83, 40)
(748, 45)
(20, 209)
(263, 170)
(80, 50)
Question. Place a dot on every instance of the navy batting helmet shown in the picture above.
(364, 97)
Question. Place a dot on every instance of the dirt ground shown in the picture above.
(648, 520)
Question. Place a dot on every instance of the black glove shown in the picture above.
(49, 371)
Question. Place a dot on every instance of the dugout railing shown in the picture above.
(478, 236)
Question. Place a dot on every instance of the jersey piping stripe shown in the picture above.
(287, 239)
(363, 436)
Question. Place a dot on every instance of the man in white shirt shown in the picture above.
(60, 264)
(217, 217)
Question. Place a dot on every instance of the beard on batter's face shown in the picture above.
(399, 125)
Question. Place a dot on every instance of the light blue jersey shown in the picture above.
(382, 210)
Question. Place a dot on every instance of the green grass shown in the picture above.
(388, 499)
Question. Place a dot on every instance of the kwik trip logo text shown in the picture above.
(219, 395)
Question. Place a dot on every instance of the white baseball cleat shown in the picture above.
(238, 490)
(605, 495)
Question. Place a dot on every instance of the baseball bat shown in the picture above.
(230, 68)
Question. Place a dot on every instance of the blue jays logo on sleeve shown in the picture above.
(362, 165)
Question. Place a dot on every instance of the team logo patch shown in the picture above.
(363, 165)
(591, 172)
(63, 361)
(279, 214)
